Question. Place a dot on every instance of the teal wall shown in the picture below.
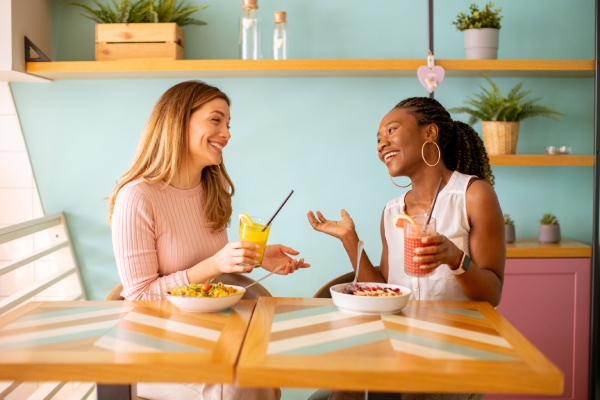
(313, 135)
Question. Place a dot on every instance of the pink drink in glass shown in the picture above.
(413, 233)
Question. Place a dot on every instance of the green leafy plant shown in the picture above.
(140, 11)
(549, 219)
(508, 220)
(486, 18)
(491, 105)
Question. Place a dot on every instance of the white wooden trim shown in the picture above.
(7, 387)
(23, 295)
(82, 391)
(46, 391)
(27, 228)
(12, 265)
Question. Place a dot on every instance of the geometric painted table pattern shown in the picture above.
(427, 347)
(121, 342)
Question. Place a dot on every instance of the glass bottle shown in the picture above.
(280, 36)
(249, 38)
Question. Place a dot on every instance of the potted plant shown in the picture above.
(509, 229)
(482, 31)
(501, 115)
(549, 229)
(140, 28)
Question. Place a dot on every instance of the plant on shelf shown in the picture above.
(549, 229)
(501, 115)
(152, 30)
(141, 11)
(481, 31)
(509, 229)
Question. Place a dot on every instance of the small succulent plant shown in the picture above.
(476, 19)
(549, 219)
(508, 220)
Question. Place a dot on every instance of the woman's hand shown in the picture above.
(337, 229)
(236, 257)
(443, 251)
(277, 254)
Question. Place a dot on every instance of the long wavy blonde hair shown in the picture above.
(163, 149)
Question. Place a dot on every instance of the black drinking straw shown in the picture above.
(434, 199)
(282, 204)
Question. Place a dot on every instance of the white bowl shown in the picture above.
(206, 304)
(370, 304)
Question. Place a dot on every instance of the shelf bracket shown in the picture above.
(30, 46)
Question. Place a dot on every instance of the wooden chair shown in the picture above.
(53, 246)
(324, 293)
(253, 292)
(115, 293)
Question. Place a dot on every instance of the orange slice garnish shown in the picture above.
(401, 219)
(245, 218)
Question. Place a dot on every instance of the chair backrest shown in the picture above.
(42, 244)
(252, 293)
(115, 293)
(324, 293)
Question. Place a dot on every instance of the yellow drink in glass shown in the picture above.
(251, 230)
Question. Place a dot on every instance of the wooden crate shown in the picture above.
(146, 40)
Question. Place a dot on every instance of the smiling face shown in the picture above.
(208, 134)
(399, 141)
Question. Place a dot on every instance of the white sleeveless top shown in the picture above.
(450, 213)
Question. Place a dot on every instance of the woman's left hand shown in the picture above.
(443, 251)
(277, 254)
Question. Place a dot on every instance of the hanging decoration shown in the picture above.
(431, 75)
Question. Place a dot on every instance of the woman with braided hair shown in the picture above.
(418, 139)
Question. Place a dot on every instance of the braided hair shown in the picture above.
(461, 147)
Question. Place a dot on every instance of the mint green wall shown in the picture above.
(313, 135)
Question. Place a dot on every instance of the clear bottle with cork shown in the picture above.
(249, 35)
(280, 37)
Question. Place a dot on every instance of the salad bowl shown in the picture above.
(205, 304)
(370, 304)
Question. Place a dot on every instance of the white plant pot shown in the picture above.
(481, 44)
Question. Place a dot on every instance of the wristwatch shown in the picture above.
(465, 261)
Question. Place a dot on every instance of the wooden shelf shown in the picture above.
(531, 248)
(541, 160)
(155, 68)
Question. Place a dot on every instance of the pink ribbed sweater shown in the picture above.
(158, 232)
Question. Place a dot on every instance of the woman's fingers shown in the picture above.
(242, 268)
(433, 239)
(322, 219)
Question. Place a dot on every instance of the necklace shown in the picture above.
(417, 204)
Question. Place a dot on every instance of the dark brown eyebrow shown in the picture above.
(221, 113)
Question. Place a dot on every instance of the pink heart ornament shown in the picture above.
(430, 78)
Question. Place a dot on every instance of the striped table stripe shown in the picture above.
(314, 330)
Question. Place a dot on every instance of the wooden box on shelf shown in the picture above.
(144, 40)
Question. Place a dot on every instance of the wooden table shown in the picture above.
(429, 346)
(121, 342)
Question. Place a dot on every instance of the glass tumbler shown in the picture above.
(413, 233)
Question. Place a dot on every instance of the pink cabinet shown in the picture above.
(548, 301)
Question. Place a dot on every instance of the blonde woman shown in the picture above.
(169, 212)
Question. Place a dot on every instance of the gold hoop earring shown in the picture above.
(402, 187)
(423, 154)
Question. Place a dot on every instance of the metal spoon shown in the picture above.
(264, 277)
(360, 250)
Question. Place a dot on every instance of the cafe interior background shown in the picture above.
(63, 144)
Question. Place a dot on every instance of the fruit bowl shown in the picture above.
(205, 304)
(367, 304)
